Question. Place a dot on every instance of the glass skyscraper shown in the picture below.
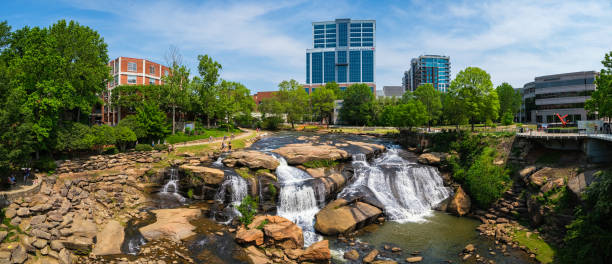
(343, 52)
(434, 69)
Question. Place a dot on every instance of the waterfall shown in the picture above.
(171, 187)
(218, 163)
(407, 191)
(297, 200)
(238, 189)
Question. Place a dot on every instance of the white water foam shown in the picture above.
(407, 191)
(171, 187)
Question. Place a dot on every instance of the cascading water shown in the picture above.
(238, 189)
(171, 187)
(407, 191)
(297, 200)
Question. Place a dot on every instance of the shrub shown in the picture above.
(160, 147)
(485, 181)
(507, 119)
(45, 163)
(589, 236)
(110, 150)
(248, 210)
(272, 190)
(124, 136)
(262, 224)
(272, 123)
(226, 126)
(320, 163)
(143, 147)
(190, 193)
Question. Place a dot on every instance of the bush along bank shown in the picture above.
(521, 201)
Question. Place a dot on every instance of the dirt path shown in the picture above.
(246, 133)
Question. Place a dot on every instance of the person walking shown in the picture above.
(232, 136)
(229, 145)
(210, 139)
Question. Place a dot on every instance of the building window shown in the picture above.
(307, 68)
(307, 90)
(329, 66)
(152, 69)
(151, 81)
(317, 67)
(355, 66)
(131, 66)
(342, 34)
(131, 79)
(165, 72)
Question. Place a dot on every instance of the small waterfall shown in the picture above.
(406, 190)
(171, 187)
(218, 163)
(297, 199)
(238, 189)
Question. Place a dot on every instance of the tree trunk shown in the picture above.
(207, 121)
(472, 126)
(173, 119)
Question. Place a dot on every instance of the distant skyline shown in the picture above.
(262, 43)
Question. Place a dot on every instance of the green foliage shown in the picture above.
(322, 163)
(294, 101)
(509, 102)
(544, 252)
(409, 114)
(202, 134)
(124, 136)
(271, 123)
(248, 209)
(73, 136)
(143, 147)
(101, 136)
(589, 236)
(272, 190)
(357, 106)
(132, 123)
(484, 181)
(12, 230)
(262, 224)
(473, 96)
(160, 147)
(190, 193)
(45, 163)
(110, 150)
(152, 120)
(440, 141)
(322, 100)
(601, 99)
(430, 98)
(244, 172)
(233, 99)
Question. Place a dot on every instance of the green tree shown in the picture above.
(430, 98)
(452, 111)
(207, 86)
(600, 102)
(56, 75)
(176, 84)
(73, 136)
(407, 114)
(152, 120)
(322, 100)
(234, 99)
(473, 90)
(132, 123)
(124, 136)
(509, 102)
(338, 93)
(357, 106)
(294, 99)
(101, 136)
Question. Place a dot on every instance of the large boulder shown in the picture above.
(279, 230)
(109, 239)
(171, 224)
(367, 148)
(209, 175)
(540, 177)
(432, 158)
(460, 203)
(252, 159)
(250, 236)
(255, 256)
(317, 252)
(296, 154)
(341, 217)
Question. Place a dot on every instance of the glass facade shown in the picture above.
(317, 67)
(330, 66)
(433, 69)
(343, 51)
(355, 70)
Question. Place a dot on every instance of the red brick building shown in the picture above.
(126, 71)
(259, 96)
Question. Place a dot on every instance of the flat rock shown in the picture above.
(317, 252)
(255, 256)
(370, 256)
(171, 224)
(414, 259)
(432, 158)
(341, 217)
(296, 154)
(109, 239)
(248, 236)
(252, 159)
(209, 175)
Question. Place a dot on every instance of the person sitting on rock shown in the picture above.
(11, 180)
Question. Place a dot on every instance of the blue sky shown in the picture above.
(260, 43)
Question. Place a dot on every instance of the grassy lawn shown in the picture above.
(544, 252)
(204, 134)
(236, 144)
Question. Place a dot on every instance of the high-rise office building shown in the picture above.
(434, 69)
(343, 52)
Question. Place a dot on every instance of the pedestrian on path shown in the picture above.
(210, 139)
(232, 137)
(229, 145)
